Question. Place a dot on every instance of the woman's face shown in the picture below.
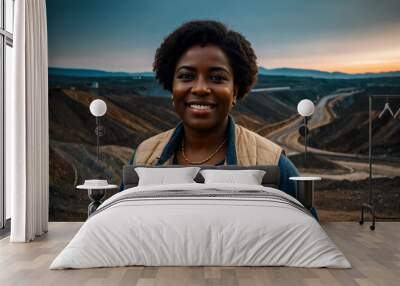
(203, 87)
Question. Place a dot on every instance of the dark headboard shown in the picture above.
(270, 179)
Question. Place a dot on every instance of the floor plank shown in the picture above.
(375, 257)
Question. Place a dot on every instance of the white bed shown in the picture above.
(249, 225)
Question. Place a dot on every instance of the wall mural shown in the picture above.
(101, 49)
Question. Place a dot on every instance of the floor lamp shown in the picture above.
(370, 205)
(305, 108)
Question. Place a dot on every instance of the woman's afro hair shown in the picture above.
(240, 54)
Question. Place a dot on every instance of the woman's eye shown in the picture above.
(218, 78)
(185, 76)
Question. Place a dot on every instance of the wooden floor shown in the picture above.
(375, 256)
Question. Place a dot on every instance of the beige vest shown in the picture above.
(251, 149)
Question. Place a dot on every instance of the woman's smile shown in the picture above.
(201, 108)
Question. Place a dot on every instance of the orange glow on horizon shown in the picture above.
(363, 69)
(347, 69)
(375, 51)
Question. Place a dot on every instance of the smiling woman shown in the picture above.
(208, 69)
(203, 95)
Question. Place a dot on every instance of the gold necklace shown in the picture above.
(201, 162)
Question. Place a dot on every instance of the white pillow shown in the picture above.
(165, 176)
(248, 177)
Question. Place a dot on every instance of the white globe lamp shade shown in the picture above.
(98, 107)
(305, 107)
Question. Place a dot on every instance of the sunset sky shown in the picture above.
(353, 36)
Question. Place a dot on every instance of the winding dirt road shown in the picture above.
(288, 137)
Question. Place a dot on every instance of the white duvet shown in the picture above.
(183, 231)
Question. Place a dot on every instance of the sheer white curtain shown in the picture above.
(27, 142)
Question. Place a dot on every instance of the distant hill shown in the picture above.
(67, 72)
(94, 73)
(322, 74)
